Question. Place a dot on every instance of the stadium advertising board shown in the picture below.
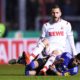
(13, 48)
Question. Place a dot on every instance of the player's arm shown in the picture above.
(72, 71)
(65, 73)
(71, 38)
(53, 68)
(43, 33)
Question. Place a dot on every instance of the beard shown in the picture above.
(56, 19)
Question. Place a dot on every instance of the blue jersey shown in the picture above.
(65, 66)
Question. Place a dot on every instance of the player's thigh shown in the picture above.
(41, 63)
(54, 49)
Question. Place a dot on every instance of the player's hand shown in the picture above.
(42, 73)
(67, 74)
(59, 74)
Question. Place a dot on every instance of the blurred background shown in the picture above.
(29, 15)
(24, 18)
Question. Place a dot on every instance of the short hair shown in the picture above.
(56, 6)
(78, 56)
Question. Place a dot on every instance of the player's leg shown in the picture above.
(30, 69)
(29, 57)
(37, 50)
(51, 60)
(34, 67)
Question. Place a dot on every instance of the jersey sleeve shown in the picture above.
(71, 39)
(43, 34)
(69, 29)
(72, 71)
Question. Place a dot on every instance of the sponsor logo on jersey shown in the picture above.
(56, 33)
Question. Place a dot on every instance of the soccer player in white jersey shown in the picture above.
(54, 35)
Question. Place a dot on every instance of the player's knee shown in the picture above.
(56, 53)
(36, 64)
(45, 42)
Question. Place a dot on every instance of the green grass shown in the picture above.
(16, 72)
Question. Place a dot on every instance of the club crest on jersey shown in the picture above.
(56, 33)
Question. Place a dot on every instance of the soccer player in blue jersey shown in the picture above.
(69, 66)
(64, 65)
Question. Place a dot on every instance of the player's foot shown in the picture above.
(25, 58)
(12, 61)
(21, 60)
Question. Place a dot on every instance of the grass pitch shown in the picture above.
(16, 72)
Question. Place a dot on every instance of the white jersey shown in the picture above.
(57, 32)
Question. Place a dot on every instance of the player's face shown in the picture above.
(56, 13)
(76, 62)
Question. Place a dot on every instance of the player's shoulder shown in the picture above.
(65, 21)
(46, 25)
(67, 54)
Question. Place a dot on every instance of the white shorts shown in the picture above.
(53, 47)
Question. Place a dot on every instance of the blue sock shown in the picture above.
(26, 72)
(30, 66)
(27, 68)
